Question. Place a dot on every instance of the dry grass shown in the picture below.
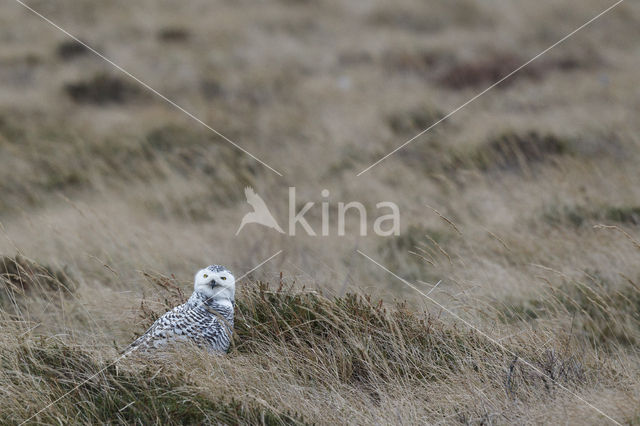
(298, 355)
(106, 192)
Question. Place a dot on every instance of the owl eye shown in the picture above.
(205, 275)
(223, 278)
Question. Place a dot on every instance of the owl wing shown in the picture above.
(174, 325)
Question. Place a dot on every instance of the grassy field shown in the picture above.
(524, 205)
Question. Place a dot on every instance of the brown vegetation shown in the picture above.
(523, 205)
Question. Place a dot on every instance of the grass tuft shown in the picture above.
(20, 277)
(514, 152)
(603, 314)
(104, 89)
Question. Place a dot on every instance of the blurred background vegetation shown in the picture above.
(104, 187)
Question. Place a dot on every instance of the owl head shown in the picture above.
(216, 283)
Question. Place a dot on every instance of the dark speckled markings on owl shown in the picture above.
(206, 319)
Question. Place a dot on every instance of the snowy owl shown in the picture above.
(206, 319)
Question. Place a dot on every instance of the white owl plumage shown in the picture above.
(206, 319)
